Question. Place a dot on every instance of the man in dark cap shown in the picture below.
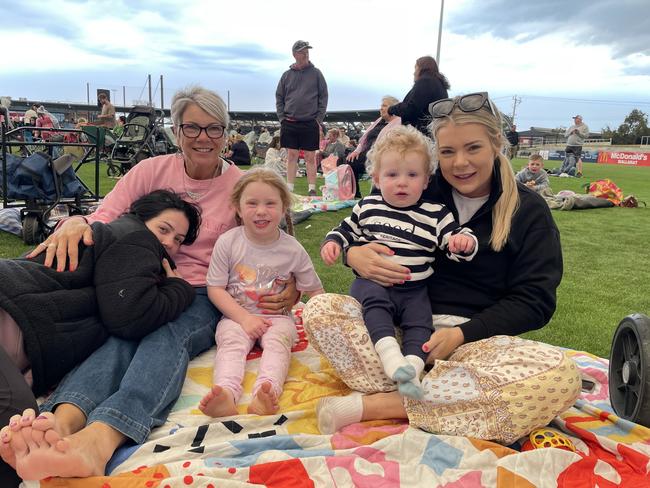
(301, 103)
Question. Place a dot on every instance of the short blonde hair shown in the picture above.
(205, 99)
(536, 157)
(402, 139)
(390, 99)
(261, 175)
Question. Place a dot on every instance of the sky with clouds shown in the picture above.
(559, 57)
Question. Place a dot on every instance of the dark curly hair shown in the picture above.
(153, 204)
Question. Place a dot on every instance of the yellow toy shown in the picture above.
(540, 438)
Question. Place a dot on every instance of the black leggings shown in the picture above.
(15, 396)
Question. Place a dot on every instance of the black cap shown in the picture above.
(300, 45)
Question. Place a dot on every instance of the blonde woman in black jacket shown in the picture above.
(484, 382)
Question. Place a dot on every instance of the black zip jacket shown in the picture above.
(414, 109)
(508, 292)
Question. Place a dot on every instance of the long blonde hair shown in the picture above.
(271, 178)
(508, 202)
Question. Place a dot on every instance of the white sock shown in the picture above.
(336, 412)
(312, 186)
(395, 364)
(290, 186)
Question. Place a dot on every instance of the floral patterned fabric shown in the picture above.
(497, 389)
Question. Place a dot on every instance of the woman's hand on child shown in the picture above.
(255, 326)
(171, 273)
(330, 252)
(280, 303)
(64, 244)
(461, 244)
(442, 343)
(369, 261)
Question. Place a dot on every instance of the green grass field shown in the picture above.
(606, 265)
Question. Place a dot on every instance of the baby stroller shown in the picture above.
(144, 136)
(45, 188)
(49, 189)
(629, 369)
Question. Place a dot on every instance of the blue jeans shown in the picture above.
(132, 385)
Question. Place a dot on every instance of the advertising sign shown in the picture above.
(624, 157)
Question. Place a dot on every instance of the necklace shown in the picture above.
(196, 195)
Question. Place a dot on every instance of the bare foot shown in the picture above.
(265, 401)
(15, 437)
(10, 440)
(82, 454)
(218, 403)
(6, 452)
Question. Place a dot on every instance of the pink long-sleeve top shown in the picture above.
(362, 142)
(168, 172)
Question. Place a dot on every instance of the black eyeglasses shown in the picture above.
(472, 102)
(213, 131)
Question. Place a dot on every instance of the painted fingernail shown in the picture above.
(425, 348)
(41, 417)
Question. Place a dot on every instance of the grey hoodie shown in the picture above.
(301, 94)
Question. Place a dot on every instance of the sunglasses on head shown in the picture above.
(472, 102)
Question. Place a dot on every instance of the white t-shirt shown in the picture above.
(467, 206)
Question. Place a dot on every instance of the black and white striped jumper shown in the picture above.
(413, 233)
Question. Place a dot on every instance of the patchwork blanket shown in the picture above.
(286, 450)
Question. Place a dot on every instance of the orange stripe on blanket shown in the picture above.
(144, 476)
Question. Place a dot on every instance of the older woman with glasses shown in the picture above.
(125, 388)
(484, 383)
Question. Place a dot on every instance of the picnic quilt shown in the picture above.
(286, 450)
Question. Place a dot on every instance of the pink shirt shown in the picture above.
(362, 142)
(47, 123)
(168, 172)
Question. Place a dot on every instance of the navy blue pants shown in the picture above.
(385, 308)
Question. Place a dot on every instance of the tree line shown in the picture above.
(630, 131)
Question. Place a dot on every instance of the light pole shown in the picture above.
(442, 8)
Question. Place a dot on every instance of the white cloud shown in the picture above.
(365, 48)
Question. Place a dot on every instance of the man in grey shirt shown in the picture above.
(576, 135)
(301, 103)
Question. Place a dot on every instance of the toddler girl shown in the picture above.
(248, 262)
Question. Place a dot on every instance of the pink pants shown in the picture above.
(233, 344)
